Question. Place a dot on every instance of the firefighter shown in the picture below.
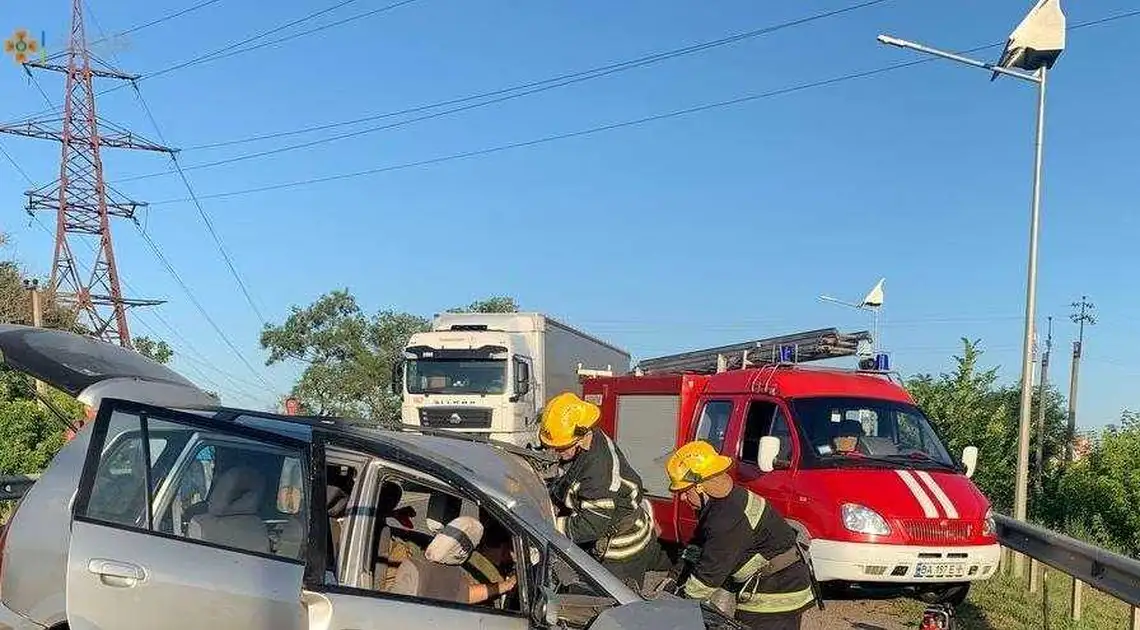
(603, 502)
(746, 547)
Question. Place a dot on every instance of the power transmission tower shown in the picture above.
(1041, 406)
(1082, 316)
(81, 199)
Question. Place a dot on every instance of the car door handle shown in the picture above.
(114, 569)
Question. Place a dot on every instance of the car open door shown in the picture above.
(90, 370)
(183, 522)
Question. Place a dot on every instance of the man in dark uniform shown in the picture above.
(605, 511)
(747, 548)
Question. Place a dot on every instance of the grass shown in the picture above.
(1005, 603)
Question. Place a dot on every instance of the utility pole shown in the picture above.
(1082, 316)
(82, 201)
(33, 288)
(1041, 407)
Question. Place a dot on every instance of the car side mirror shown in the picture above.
(970, 460)
(769, 449)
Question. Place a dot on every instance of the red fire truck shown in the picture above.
(845, 455)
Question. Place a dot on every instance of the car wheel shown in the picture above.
(953, 594)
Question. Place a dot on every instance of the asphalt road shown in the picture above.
(856, 614)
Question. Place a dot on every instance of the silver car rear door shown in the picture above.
(131, 567)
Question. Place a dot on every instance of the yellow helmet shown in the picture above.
(566, 419)
(694, 463)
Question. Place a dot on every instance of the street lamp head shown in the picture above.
(1037, 41)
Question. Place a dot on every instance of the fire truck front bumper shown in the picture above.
(870, 562)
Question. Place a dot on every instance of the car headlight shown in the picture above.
(863, 520)
(989, 527)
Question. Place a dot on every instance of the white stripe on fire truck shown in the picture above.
(943, 500)
(919, 494)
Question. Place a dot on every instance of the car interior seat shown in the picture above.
(231, 516)
(386, 502)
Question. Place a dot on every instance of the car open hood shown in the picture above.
(91, 370)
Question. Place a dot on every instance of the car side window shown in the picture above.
(204, 486)
(757, 424)
(713, 424)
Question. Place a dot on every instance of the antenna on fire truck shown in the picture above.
(873, 302)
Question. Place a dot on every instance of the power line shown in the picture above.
(187, 347)
(157, 21)
(560, 80)
(573, 78)
(205, 217)
(236, 48)
(613, 126)
(201, 310)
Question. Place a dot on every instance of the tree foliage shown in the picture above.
(1097, 497)
(155, 350)
(968, 407)
(349, 354)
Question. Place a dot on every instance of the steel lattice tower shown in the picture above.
(81, 199)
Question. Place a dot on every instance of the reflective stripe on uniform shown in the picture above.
(560, 524)
(696, 589)
(754, 509)
(754, 564)
(627, 545)
(773, 603)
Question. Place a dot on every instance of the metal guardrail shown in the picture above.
(1108, 572)
(14, 487)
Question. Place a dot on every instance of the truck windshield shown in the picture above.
(457, 376)
(838, 431)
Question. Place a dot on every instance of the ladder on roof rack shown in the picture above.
(812, 345)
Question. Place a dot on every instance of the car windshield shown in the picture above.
(840, 431)
(457, 376)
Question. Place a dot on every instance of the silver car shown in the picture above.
(169, 511)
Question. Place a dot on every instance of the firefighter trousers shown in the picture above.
(632, 570)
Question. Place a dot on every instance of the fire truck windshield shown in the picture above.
(836, 430)
(451, 376)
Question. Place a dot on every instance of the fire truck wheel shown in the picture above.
(953, 594)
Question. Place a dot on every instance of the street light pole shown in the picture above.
(1038, 77)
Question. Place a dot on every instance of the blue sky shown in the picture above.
(696, 230)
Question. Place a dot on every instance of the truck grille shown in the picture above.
(455, 418)
(938, 531)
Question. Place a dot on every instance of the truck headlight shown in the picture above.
(989, 527)
(863, 520)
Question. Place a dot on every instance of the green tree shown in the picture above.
(1097, 497)
(349, 355)
(968, 407)
(155, 350)
(500, 304)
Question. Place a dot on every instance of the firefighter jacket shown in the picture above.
(748, 549)
(603, 498)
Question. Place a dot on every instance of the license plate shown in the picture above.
(939, 570)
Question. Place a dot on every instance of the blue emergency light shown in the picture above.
(788, 353)
(882, 362)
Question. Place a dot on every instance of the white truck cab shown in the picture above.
(491, 373)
